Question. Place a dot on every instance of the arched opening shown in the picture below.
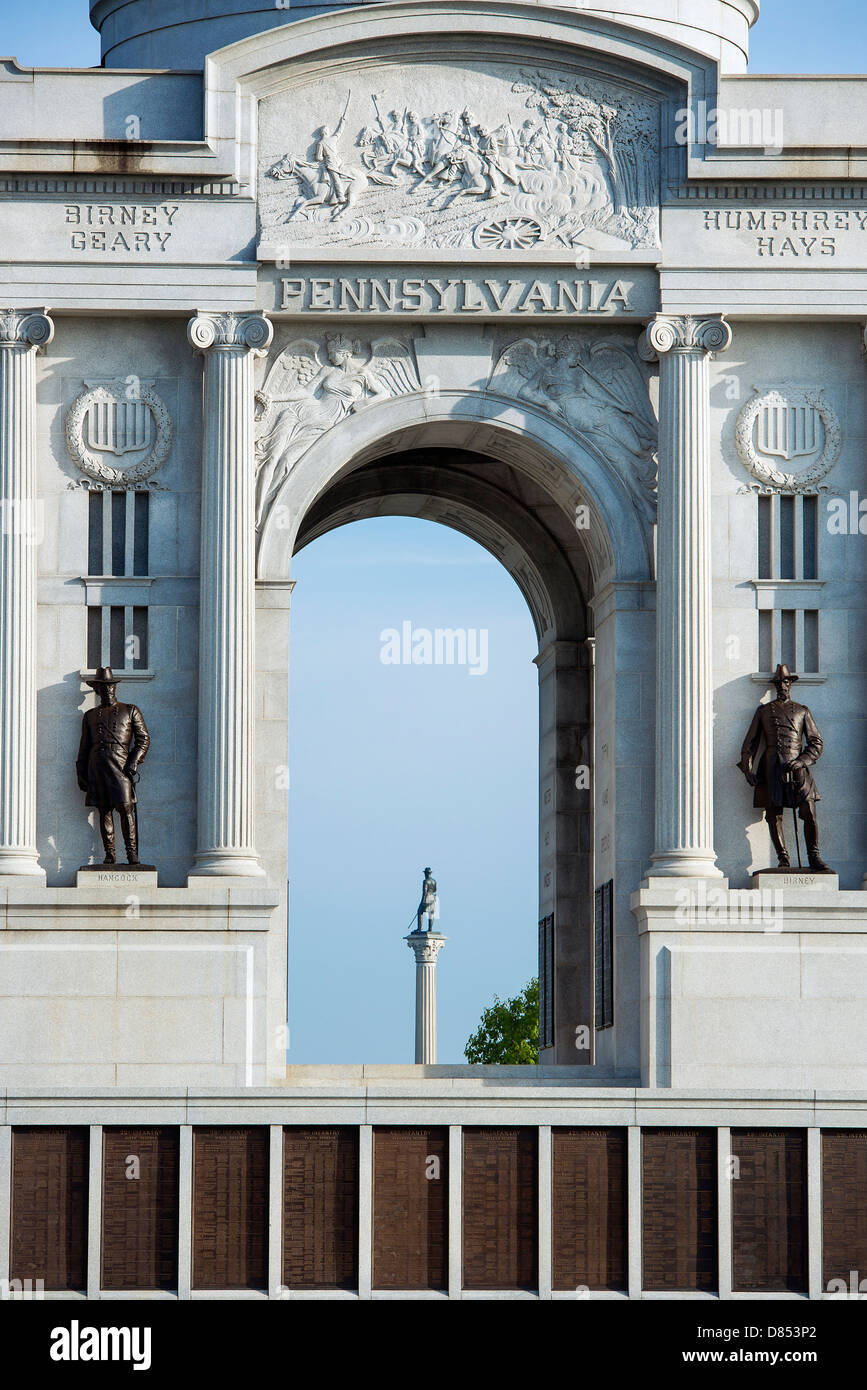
(414, 742)
(543, 523)
(571, 528)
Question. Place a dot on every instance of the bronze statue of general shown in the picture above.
(429, 905)
(782, 776)
(114, 740)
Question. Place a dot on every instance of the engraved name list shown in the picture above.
(120, 227)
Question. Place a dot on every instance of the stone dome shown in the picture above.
(180, 34)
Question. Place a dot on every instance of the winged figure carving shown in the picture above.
(597, 388)
(310, 387)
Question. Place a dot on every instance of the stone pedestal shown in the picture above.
(752, 989)
(116, 982)
(801, 880)
(425, 946)
(684, 689)
(227, 593)
(129, 876)
(22, 333)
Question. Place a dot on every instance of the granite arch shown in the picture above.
(510, 478)
(573, 472)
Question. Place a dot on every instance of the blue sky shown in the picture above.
(791, 36)
(397, 766)
(394, 767)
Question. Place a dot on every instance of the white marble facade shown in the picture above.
(259, 296)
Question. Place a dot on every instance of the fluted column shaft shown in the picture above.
(864, 358)
(22, 333)
(426, 947)
(684, 689)
(227, 593)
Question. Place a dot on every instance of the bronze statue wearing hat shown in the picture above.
(782, 776)
(114, 740)
(429, 905)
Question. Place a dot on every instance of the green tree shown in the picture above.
(509, 1031)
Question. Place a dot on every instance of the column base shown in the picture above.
(225, 864)
(684, 864)
(19, 863)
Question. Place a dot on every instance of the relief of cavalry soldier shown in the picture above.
(114, 741)
(781, 776)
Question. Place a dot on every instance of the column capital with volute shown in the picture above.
(229, 332)
(29, 328)
(684, 333)
(25, 328)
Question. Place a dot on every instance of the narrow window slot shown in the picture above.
(118, 533)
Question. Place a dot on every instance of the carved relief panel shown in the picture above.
(312, 385)
(788, 437)
(593, 383)
(396, 157)
(596, 386)
(118, 432)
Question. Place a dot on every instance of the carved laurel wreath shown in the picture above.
(761, 467)
(93, 464)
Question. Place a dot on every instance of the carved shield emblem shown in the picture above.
(783, 426)
(118, 426)
(789, 431)
(118, 418)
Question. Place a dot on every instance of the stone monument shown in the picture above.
(781, 775)
(114, 742)
(595, 297)
(426, 946)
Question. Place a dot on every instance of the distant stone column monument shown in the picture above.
(426, 946)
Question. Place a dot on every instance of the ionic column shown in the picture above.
(22, 333)
(864, 357)
(684, 692)
(227, 592)
(425, 946)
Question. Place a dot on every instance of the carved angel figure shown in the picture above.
(597, 388)
(305, 394)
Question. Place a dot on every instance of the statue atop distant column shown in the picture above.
(114, 741)
(429, 906)
(426, 946)
(781, 776)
